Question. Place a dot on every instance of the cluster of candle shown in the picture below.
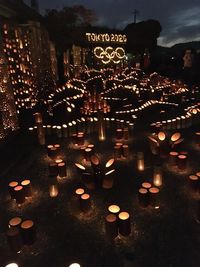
(58, 166)
(161, 143)
(121, 150)
(19, 191)
(178, 160)
(100, 175)
(20, 232)
(117, 222)
(94, 103)
(148, 195)
(83, 200)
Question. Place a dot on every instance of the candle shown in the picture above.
(154, 197)
(27, 188)
(111, 226)
(194, 182)
(143, 197)
(12, 185)
(15, 222)
(114, 209)
(124, 223)
(14, 239)
(108, 179)
(53, 191)
(173, 158)
(85, 203)
(157, 176)
(125, 152)
(28, 232)
(19, 194)
(182, 162)
(140, 161)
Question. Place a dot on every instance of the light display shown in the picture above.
(109, 54)
(8, 117)
(106, 38)
(31, 63)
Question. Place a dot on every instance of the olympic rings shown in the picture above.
(109, 54)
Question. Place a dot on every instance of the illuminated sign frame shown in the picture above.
(106, 38)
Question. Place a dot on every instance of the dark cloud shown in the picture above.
(179, 18)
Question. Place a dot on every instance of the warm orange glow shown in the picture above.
(114, 209)
(80, 191)
(153, 140)
(25, 182)
(111, 218)
(58, 161)
(154, 190)
(124, 215)
(193, 177)
(161, 136)
(146, 185)
(13, 184)
(109, 163)
(15, 221)
(143, 191)
(12, 265)
(182, 157)
(108, 173)
(75, 265)
(95, 160)
(18, 188)
(173, 153)
(175, 137)
(91, 146)
(61, 164)
(53, 190)
(79, 166)
(85, 196)
(179, 141)
(198, 174)
(27, 224)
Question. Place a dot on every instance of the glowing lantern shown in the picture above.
(114, 209)
(175, 137)
(53, 191)
(161, 136)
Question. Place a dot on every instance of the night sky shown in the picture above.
(180, 19)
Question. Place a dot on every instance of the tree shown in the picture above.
(65, 25)
(142, 35)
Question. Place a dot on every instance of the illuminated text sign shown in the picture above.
(106, 38)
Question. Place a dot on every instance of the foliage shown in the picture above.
(65, 25)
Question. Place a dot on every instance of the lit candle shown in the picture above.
(143, 197)
(111, 226)
(154, 197)
(124, 223)
(85, 203)
(157, 176)
(140, 161)
(28, 232)
(114, 209)
(53, 191)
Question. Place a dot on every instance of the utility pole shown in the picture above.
(135, 13)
